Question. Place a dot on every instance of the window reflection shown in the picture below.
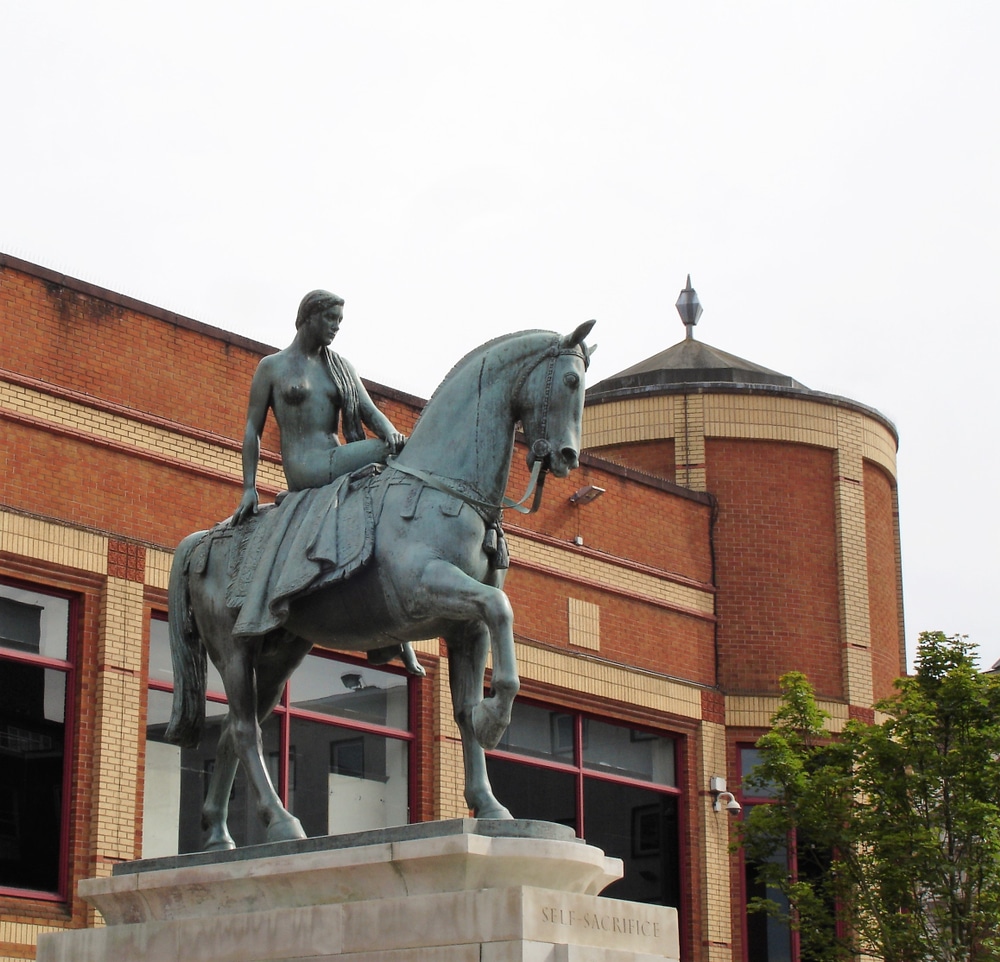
(629, 752)
(636, 824)
(341, 777)
(348, 781)
(342, 690)
(160, 668)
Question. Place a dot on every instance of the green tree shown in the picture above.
(895, 826)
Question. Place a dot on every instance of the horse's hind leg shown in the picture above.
(277, 661)
(467, 650)
(240, 676)
(215, 811)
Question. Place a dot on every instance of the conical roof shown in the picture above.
(689, 364)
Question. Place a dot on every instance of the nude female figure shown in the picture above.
(310, 389)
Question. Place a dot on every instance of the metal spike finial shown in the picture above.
(689, 307)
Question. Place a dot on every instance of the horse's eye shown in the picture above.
(571, 379)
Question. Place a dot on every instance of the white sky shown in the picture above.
(827, 172)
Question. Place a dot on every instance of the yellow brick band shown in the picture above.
(756, 711)
(607, 680)
(54, 543)
(131, 434)
(735, 415)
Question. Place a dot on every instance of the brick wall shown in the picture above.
(632, 631)
(62, 335)
(777, 564)
(650, 457)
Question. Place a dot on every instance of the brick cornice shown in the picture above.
(51, 277)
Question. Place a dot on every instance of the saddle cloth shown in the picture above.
(312, 538)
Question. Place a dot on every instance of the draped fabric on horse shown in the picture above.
(314, 537)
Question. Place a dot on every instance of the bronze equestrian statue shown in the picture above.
(377, 558)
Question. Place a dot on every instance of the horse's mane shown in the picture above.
(471, 357)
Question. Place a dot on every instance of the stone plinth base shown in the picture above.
(458, 891)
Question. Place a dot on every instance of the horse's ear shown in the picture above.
(571, 340)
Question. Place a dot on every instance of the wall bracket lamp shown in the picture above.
(586, 494)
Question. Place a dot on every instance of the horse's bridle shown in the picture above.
(540, 450)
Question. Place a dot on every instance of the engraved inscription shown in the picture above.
(596, 921)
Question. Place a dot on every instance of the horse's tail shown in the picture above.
(190, 660)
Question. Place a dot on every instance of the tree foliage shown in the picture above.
(895, 826)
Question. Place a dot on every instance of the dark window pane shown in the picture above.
(532, 792)
(628, 752)
(345, 690)
(750, 758)
(768, 939)
(20, 625)
(638, 826)
(35, 622)
(32, 737)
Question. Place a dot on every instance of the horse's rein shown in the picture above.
(535, 484)
(540, 449)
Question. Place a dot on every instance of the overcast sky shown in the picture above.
(827, 172)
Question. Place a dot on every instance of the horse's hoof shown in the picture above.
(285, 829)
(495, 810)
(219, 845)
(488, 724)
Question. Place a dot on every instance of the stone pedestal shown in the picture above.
(458, 891)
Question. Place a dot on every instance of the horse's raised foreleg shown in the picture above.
(466, 665)
(462, 598)
(240, 677)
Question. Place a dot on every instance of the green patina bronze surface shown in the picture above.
(381, 542)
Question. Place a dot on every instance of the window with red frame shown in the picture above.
(36, 671)
(614, 785)
(769, 939)
(338, 748)
(766, 939)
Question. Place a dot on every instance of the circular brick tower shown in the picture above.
(805, 537)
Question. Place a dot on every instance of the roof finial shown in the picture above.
(689, 307)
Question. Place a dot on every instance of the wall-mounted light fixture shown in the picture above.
(717, 786)
(586, 494)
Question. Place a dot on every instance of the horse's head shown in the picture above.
(550, 402)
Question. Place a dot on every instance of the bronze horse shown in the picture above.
(432, 574)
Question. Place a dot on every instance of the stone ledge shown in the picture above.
(465, 890)
(425, 859)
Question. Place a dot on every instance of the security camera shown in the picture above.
(732, 806)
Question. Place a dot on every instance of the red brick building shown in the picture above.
(748, 526)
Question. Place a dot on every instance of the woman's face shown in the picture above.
(326, 322)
